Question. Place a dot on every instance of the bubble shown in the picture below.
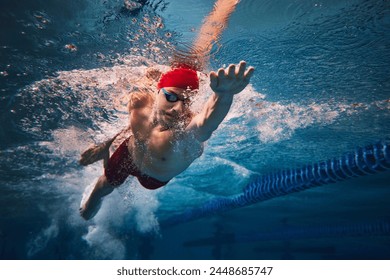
(71, 47)
(132, 5)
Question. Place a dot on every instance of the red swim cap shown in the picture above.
(179, 77)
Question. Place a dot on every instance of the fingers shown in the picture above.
(236, 71)
(245, 74)
(221, 73)
(241, 69)
(248, 74)
(231, 71)
(213, 79)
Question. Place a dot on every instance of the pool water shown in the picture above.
(321, 88)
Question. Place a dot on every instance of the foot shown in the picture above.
(91, 201)
(95, 153)
(89, 209)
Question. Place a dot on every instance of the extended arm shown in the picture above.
(225, 84)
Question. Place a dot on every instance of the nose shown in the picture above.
(178, 107)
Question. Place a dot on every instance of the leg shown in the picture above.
(91, 205)
(117, 172)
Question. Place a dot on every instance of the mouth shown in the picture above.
(171, 116)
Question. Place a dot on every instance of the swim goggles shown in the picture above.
(173, 97)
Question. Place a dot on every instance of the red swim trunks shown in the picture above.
(120, 166)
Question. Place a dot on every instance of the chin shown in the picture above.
(165, 122)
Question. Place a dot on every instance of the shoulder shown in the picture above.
(140, 99)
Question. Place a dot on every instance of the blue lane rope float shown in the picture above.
(376, 228)
(363, 161)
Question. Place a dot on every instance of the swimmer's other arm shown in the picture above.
(225, 84)
(100, 151)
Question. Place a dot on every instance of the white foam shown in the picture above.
(40, 241)
(277, 121)
(141, 205)
(132, 202)
(128, 208)
(104, 245)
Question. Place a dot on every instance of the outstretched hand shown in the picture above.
(96, 152)
(231, 80)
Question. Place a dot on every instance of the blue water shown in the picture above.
(321, 88)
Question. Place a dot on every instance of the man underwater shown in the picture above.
(165, 136)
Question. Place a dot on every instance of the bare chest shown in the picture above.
(162, 154)
(172, 149)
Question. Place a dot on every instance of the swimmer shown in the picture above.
(165, 136)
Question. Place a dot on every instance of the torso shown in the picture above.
(160, 154)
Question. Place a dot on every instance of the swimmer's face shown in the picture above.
(173, 106)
